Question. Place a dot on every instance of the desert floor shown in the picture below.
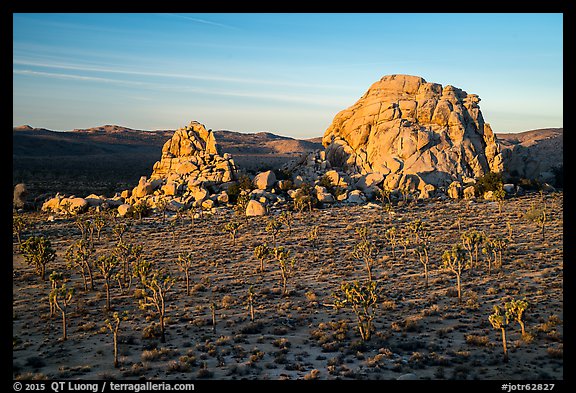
(418, 329)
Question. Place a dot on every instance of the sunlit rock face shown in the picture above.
(413, 132)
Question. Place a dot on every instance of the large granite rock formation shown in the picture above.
(414, 133)
(193, 154)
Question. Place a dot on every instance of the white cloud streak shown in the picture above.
(203, 21)
(218, 78)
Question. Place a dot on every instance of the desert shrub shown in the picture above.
(489, 182)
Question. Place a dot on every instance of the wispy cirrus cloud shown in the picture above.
(316, 100)
(203, 21)
(205, 77)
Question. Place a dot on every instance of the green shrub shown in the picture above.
(489, 182)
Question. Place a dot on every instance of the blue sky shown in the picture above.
(284, 73)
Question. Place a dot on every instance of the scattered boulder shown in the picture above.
(509, 188)
(125, 209)
(455, 190)
(255, 208)
(143, 188)
(20, 194)
(469, 192)
(170, 189)
(264, 180)
(407, 377)
(355, 197)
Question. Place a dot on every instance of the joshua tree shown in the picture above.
(273, 227)
(114, 327)
(86, 228)
(262, 252)
(538, 216)
(185, 264)
(496, 247)
(161, 206)
(55, 280)
(119, 230)
(66, 206)
(390, 235)
(499, 196)
(383, 196)
(499, 320)
(422, 250)
(472, 240)
(366, 252)
(141, 209)
(79, 255)
(99, 223)
(416, 227)
(515, 311)
(454, 261)
(128, 255)
(282, 256)
(157, 288)
(143, 270)
(107, 264)
(313, 238)
(19, 225)
(363, 300)
(250, 301)
(61, 297)
(510, 232)
(362, 233)
(38, 251)
(232, 229)
(286, 218)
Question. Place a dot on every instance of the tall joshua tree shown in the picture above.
(61, 297)
(38, 251)
(454, 261)
(157, 288)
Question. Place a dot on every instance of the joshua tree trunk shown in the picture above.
(369, 271)
(459, 287)
(64, 336)
(504, 345)
(426, 274)
(107, 286)
(115, 348)
(522, 327)
(162, 335)
(187, 273)
(251, 311)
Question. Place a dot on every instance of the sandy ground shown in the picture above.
(419, 330)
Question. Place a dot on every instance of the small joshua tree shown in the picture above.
(99, 223)
(56, 279)
(161, 207)
(313, 238)
(390, 236)
(232, 229)
(79, 255)
(472, 241)
(499, 320)
(38, 251)
(107, 265)
(213, 313)
(250, 301)
(495, 246)
(185, 264)
(66, 206)
(61, 297)
(515, 311)
(383, 196)
(363, 300)
(366, 251)
(19, 225)
(286, 264)
(119, 230)
(416, 227)
(86, 228)
(538, 216)
(273, 227)
(141, 209)
(500, 196)
(262, 252)
(114, 326)
(454, 261)
(362, 233)
(157, 288)
(286, 218)
(128, 256)
(422, 250)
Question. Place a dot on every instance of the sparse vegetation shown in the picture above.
(362, 298)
